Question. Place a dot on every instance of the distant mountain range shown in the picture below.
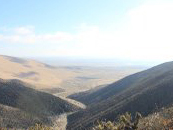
(144, 92)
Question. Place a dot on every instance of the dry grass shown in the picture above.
(43, 76)
(40, 127)
(162, 120)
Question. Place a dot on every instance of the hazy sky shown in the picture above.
(127, 29)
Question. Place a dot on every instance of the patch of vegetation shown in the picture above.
(36, 127)
(125, 123)
(14, 118)
(162, 120)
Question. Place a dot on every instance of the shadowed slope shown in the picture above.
(18, 94)
(11, 117)
(143, 92)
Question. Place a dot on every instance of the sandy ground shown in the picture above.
(79, 104)
(72, 79)
(60, 122)
(38, 74)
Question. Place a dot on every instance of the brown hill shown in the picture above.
(36, 73)
(59, 79)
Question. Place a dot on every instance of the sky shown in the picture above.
(138, 30)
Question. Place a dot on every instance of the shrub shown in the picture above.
(125, 123)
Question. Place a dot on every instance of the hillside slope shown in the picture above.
(82, 96)
(66, 79)
(133, 80)
(18, 94)
(143, 92)
(11, 117)
(33, 72)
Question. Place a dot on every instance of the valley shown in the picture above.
(81, 96)
(65, 79)
(140, 92)
(86, 65)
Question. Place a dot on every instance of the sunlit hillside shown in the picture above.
(70, 79)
